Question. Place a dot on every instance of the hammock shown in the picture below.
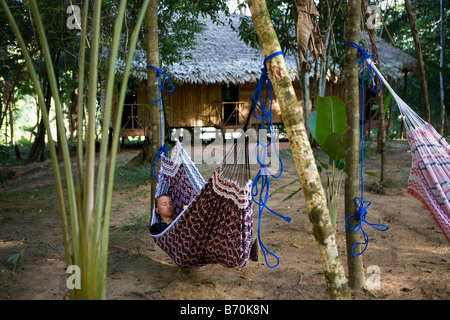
(213, 221)
(430, 171)
(217, 224)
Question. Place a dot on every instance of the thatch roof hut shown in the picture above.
(218, 82)
(219, 57)
(394, 62)
(222, 57)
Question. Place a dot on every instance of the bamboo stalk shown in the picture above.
(99, 205)
(80, 109)
(89, 221)
(53, 155)
(103, 245)
(96, 224)
(87, 269)
(80, 166)
(60, 126)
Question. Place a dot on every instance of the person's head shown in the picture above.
(164, 207)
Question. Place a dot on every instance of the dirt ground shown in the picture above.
(412, 258)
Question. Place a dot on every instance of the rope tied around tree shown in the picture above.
(360, 203)
(261, 156)
(162, 78)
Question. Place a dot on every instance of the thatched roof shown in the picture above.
(221, 57)
(394, 62)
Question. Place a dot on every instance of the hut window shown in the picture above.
(230, 97)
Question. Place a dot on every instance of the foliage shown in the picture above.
(89, 203)
(178, 23)
(4, 153)
(284, 17)
(328, 124)
(428, 24)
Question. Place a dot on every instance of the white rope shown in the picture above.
(410, 118)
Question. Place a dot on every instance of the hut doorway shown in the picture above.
(129, 116)
(230, 98)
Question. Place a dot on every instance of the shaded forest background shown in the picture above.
(20, 119)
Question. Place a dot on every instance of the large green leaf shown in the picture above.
(328, 124)
(331, 117)
(386, 102)
(334, 146)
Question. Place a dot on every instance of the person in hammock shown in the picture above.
(163, 207)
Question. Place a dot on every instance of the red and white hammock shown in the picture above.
(429, 179)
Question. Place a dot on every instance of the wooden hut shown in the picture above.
(214, 88)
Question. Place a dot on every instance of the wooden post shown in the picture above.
(352, 182)
(152, 50)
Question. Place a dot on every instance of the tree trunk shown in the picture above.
(352, 183)
(380, 100)
(38, 145)
(303, 156)
(73, 115)
(11, 123)
(152, 50)
(423, 79)
(7, 95)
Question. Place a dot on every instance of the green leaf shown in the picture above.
(370, 173)
(331, 117)
(334, 146)
(322, 164)
(297, 245)
(14, 258)
(436, 66)
(339, 164)
(291, 195)
(283, 187)
(387, 101)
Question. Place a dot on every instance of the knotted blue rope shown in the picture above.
(162, 78)
(264, 173)
(360, 203)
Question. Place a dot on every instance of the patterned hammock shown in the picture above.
(429, 179)
(217, 224)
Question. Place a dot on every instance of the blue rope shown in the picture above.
(360, 203)
(263, 174)
(162, 78)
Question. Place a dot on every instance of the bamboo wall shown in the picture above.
(192, 105)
